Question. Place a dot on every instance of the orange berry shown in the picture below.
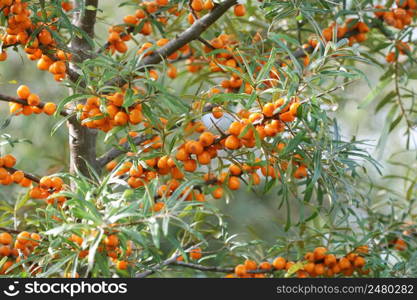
(121, 118)
(111, 241)
(217, 193)
(23, 237)
(5, 251)
(5, 238)
(309, 268)
(66, 5)
(359, 262)
(217, 112)
(57, 67)
(279, 263)
(268, 109)
(195, 253)
(232, 142)
(235, 170)
(76, 239)
(240, 270)
(111, 165)
(194, 147)
(319, 253)
(49, 108)
(300, 172)
(391, 57)
(206, 138)
(3, 55)
(45, 37)
(158, 206)
(135, 182)
(235, 128)
(36, 238)
(122, 265)
(18, 176)
(330, 260)
(265, 266)
(288, 265)
(9, 161)
(400, 245)
(190, 165)
(234, 183)
(172, 71)
(319, 269)
(239, 10)
(23, 92)
(204, 158)
(33, 99)
(131, 20)
(344, 263)
(208, 4)
(250, 265)
(197, 5)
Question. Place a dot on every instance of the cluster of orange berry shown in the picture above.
(267, 123)
(47, 187)
(34, 104)
(201, 151)
(354, 29)
(398, 17)
(115, 114)
(119, 35)
(200, 6)
(316, 263)
(226, 57)
(25, 243)
(111, 246)
(185, 50)
(7, 177)
(195, 254)
(402, 48)
(40, 47)
(399, 244)
(139, 175)
(67, 5)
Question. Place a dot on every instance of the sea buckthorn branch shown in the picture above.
(10, 230)
(82, 139)
(184, 38)
(117, 151)
(121, 149)
(206, 43)
(23, 102)
(203, 268)
(166, 262)
(85, 20)
(27, 175)
(399, 99)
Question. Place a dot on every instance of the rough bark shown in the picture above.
(82, 140)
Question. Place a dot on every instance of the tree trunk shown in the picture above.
(82, 140)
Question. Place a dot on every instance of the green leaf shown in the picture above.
(58, 124)
(375, 92)
(69, 99)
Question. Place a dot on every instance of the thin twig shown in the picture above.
(6, 98)
(9, 230)
(27, 175)
(116, 151)
(399, 99)
(166, 262)
(203, 268)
